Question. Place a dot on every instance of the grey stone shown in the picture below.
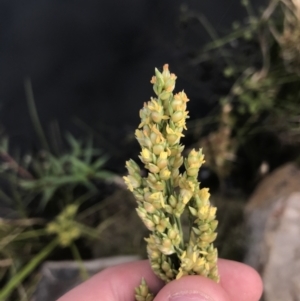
(281, 274)
(273, 221)
(59, 277)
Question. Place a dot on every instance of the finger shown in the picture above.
(115, 283)
(238, 283)
(192, 288)
(238, 276)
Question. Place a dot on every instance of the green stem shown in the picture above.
(83, 272)
(169, 188)
(31, 234)
(26, 270)
(34, 115)
(88, 231)
(214, 36)
(249, 8)
(225, 40)
(176, 220)
(178, 223)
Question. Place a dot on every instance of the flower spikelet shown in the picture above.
(142, 292)
(165, 193)
(65, 226)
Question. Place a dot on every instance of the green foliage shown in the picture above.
(58, 174)
(265, 94)
(44, 194)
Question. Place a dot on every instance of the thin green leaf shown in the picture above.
(88, 151)
(100, 162)
(104, 175)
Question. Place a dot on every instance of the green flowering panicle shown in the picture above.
(165, 193)
(65, 227)
(142, 292)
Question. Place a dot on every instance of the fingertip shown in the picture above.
(131, 274)
(115, 283)
(239, 282)
(238, 276)
(196, 288)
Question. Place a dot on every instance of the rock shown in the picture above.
(273, 221)
(282, 271)
(59, 277)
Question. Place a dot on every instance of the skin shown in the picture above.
(239, 282)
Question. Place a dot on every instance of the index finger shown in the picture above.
(116, 283)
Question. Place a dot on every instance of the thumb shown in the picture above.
(192, 288)
(239, 282)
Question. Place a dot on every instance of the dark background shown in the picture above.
(93, 60)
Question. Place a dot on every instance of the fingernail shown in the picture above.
(190, 296)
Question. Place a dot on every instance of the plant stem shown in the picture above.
(26, 270)
(31, 234)
(225, 40)
(214, 36)
(15, 166)
(176, 220)
(83, 272)
(249, 8)
(178, 223)
(34, 115)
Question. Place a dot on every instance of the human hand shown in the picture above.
(238, 283)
